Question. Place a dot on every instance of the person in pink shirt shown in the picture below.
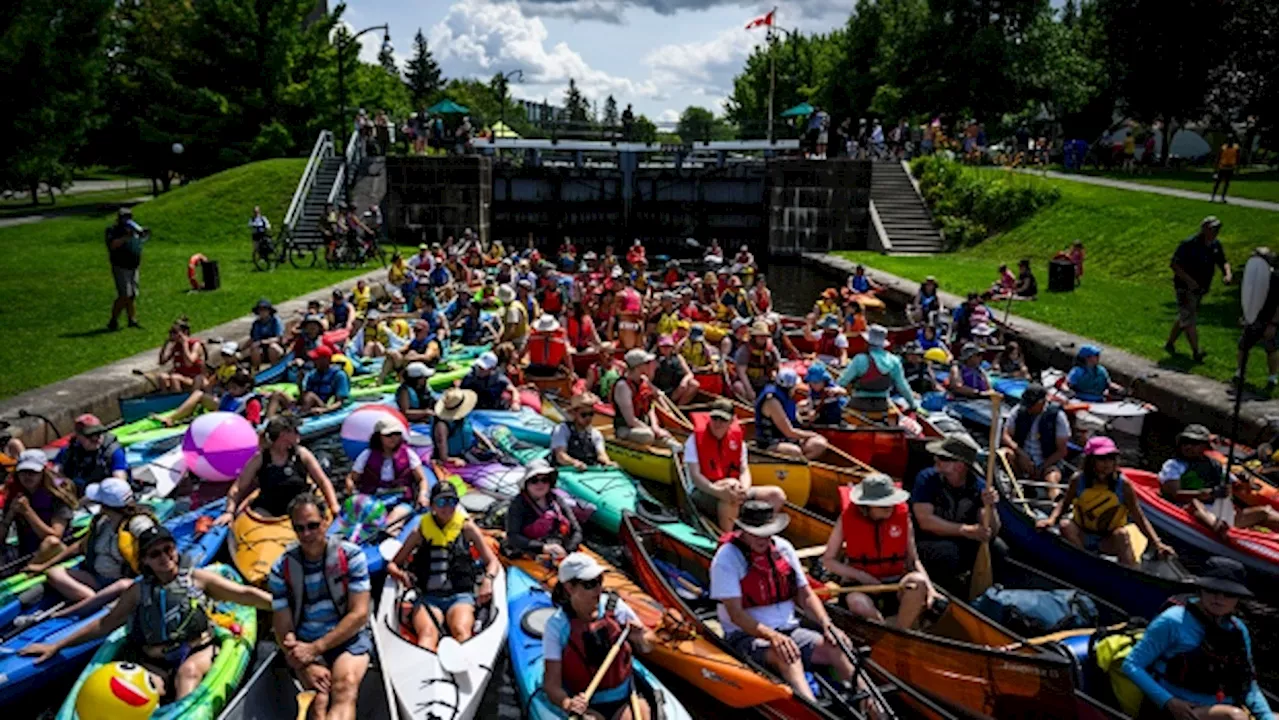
(1076, 254)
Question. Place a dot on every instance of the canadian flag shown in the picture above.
(762, 21)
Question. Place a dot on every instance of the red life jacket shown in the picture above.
(873, 380)
(827, 344)
(877, 548)
(641, 397)
(547, 349)
(182, 367)
(579, 663)
(552, 300)
(671, 277)
(550, 523)
(371, 478)
(763, 297)
(579, 332)
(770, 579)
(717, 459)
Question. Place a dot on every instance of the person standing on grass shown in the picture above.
(1227, 158)
(124, 249)
(1192, 266)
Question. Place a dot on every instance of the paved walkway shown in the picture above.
(1154, 189)
(55, 211)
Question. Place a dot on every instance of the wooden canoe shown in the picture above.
(693, 657)
(678, 577)
(559, 384)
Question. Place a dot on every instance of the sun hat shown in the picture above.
(417, 370)
(666, 341)
(787, 378)
(968, 350)
(760, 328)
(539, 468)
(1101, 445)
(722, 409)
(112, 492)
(265, 304)
(31, 461)
(760, 519)
(878, 490)
(1195, 433)
(817, 372)
(739, 322)
(525, 283)
(387, 426)
(735, 281)
(487, 361)
(636, 357)
(582, 401)
(954, 447)
(1211, 221)
(547, 323)
(830, 321)
(1032, 394)
(876, 336)
(607, 347)
(506, 293)
(578, 566)
(1223, 575)
(456, 404)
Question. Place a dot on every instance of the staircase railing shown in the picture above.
(354, 155)
(319, 152)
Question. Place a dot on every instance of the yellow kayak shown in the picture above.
(257, 541)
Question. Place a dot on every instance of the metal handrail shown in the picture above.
(338, 182)
(321, 150)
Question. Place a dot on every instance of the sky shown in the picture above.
(659, 55)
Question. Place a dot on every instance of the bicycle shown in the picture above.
(268, 254)
(354, 251)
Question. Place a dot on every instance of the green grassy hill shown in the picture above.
(58, 282)
(1126, 299)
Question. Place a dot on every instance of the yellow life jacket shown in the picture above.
(1109, 653)
(442, 536)
(695, 353)
(668, 323)
(361, 298)
(1100, 510)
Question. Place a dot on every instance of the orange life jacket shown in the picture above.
(770, 579)
(547, 349)
(717, 459)
(582, 656)
(876, 548)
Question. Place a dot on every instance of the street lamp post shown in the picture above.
(502, 99)
(343, 43)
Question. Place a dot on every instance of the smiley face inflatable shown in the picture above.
(120, 691)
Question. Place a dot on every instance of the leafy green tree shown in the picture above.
(422, 73)
(698, 124)
(644, 130)
(387, 59)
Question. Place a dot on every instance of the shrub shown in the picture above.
(971, 205)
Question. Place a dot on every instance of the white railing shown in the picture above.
(339, 182)
(323, 149)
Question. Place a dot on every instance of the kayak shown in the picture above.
(1257, 550)
(418, 675)
(530, 606)
(1142, 591)
(1124, 416)
(614, 493)
(526, 424)
(256, 542)
(20, 676)
(235, 629)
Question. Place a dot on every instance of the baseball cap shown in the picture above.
(787, 378)
(417, 370)
(666, 341)
(637, 357)
(230, 347)
(32, 460)
(88, 424)
(323, 351)
(487, 361)
(112, 492)
(579, 566)
(722, 409)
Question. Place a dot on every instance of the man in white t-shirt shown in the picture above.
(718, 479)
(758, 580)
(1036, 454)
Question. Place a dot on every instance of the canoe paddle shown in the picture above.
(982, 578)
(305, 698)
(604, 666)
(865, 589)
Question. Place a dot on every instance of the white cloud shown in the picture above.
(613, 10)
(704, 69)
(669, 115)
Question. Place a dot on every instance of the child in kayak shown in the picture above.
(39, 505)
(390, 469)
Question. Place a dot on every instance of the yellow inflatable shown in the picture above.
(118, 691)
(345, 363)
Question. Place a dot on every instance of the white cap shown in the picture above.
(616, 271)
(787, 378)
(636, 357)
(487, 361)
(112, 492)
(32, 460)
(373, 314)
(417, 370)
(579, 566)
(230, 347)
(388, 426)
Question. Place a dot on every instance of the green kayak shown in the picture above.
(235, 630)
(153, 428)
(612, 491)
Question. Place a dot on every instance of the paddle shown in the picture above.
(859, 673)
(39, 618)
(635, 705)
(866, 589)
(981, 578)
(304, 700)
(608, 660)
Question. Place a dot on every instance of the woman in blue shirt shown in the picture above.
(1089, 380)
(1195, 660)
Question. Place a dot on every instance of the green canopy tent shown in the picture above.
(804, 109)
(447, 107)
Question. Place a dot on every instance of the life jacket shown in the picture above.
(668, 323)
(827, 307)
(974, 378)
(550, 522)
(461, 436)
(489, 390)
(1046, 422)
(341, 313)
(361, 298)
(859, 284)
(579, 333)
(324, 384)
(589, 644)
(580, 447)
(443, 563)
(189, 369)
(238, 405)
(1090, 383)
(473, 330)
(641, 400)
(695, 353)
(669, 373)
(830, 406)
(736, 300)
(1099, 508)
(877, 548)
(337, 581)
(278, 484)
(874, 380)
(439, 275)
(126, 543)
(718, 459)
(1219, 665)
(86, 467)
(547, 350)
(769, 580)
(552, 300)
(671, 277)
(402, 477)
(764, 299)
(171, 614)
(767, 433)
(761, 362)
(827, 344)
(417, 400)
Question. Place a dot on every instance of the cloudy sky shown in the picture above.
(659, 55)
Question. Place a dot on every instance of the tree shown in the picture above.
(1242, 89)
(700, 124)
(422, 73)
(575, 105)
(387, 59)
(610, 112)
(645, 131)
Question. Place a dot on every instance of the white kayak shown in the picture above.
(1125, 416)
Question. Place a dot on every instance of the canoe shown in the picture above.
(647, 462)
(678, 577)
(559, 384)
(143, 406)
(1257, 550)
(416, 675)
(527, 425)
(614, 493)
(1142, 591)
(882, 448)
(857, 343)
(694, 659)
(19, 676)
(256, 542)
(711, 381)
(235, 630)
(271, 691)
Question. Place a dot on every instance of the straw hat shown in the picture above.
(547, 323)
(456, 404)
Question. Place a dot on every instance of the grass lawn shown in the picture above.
(1254, 184)
(81, 202)
(59, 291)
(1126, 299)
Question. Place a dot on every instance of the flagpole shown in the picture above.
(769, 37)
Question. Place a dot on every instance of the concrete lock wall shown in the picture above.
(431, 198)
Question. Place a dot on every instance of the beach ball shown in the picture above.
(358, 426)
(218, 445)
(118, 691)
(362, 518)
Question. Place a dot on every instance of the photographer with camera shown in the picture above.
(124, 250)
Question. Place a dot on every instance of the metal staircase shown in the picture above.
(908, 226)
(322, 182)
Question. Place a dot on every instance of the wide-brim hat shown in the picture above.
(876, 336)
(265, 304)
(760, 328)
(1195, 433)
(456, 403)
(954, 447)
(760, 519)
(1223, 575)
(878, 490)
(546, 323)
(540, 468)
(506, 293)
(583, 400)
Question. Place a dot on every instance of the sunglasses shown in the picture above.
(312, 526)
(589, 412)
(445, 502)
(539, 480)
(591, 584)
(157, 553)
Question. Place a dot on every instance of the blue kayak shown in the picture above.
(525, 424)
(20, 676)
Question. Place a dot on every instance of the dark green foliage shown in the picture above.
(422, 73)
(972, 204)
